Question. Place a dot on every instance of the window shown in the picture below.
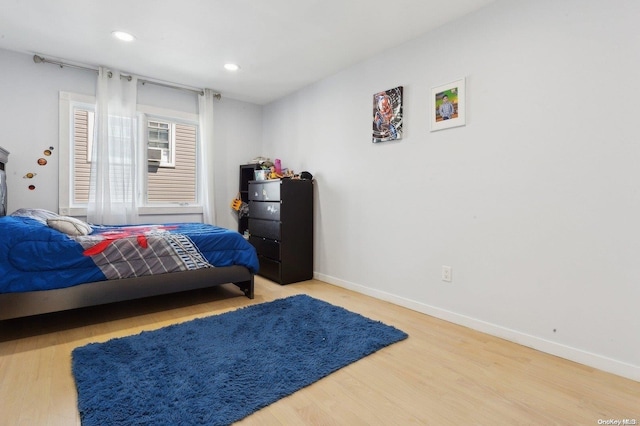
(172, 179)
(160, 142)
(168, 165)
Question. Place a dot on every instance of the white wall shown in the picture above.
(29, 123)
(238, 138)
(535, 203)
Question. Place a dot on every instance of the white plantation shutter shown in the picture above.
(176, 184)
(82, 166)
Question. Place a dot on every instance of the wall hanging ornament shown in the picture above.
(387, 115)
(448, 105)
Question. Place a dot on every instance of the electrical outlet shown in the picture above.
(446, 273)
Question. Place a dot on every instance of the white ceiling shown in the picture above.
(280, 45)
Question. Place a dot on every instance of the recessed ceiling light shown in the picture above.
(231, 67)
(121, 35)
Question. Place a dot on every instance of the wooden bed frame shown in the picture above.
(16, 305)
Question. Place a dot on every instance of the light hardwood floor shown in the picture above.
(442, 374)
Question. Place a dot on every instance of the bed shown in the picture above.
(51, 263)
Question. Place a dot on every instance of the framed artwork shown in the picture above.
(448, 105)
(387, 115)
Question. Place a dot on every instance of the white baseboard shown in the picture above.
(567, 352)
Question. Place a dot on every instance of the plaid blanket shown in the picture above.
(142, 253)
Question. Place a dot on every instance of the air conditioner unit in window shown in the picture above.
(154, 155)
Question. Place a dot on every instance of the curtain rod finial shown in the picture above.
(218, 96)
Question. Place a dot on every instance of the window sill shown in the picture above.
(156, 210)
(142, 211)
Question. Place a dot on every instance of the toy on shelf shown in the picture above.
(273, 168)
(273, 174)
(236, 203)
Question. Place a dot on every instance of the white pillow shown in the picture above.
(70, 225)
(41, 215)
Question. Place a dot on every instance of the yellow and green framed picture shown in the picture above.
(448, 105)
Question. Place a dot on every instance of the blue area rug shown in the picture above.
(219, 369)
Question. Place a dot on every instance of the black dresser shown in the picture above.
(281, 228)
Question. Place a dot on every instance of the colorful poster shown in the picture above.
(387, 115)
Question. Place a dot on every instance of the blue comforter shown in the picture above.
(34, 256)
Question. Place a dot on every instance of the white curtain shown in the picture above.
(113, 187)
(205, 157)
